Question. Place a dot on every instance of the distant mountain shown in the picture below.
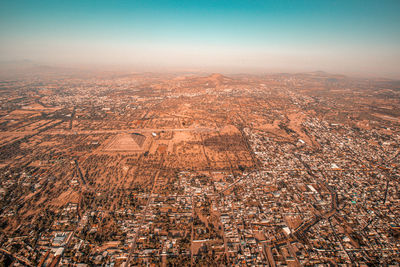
(28, 68)
(217, 78)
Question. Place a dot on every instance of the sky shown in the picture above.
(347, 36)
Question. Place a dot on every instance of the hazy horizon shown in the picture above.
(346, 37)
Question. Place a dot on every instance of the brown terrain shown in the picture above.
(199, 169)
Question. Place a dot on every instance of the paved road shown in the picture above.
(144, 213)
(137, 130)
(18, 258)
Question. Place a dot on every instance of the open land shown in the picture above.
(187, 169)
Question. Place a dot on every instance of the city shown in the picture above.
(127, 169)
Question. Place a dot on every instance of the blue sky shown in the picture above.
(350, 36)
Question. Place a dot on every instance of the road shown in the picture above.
(136, 130)
(18, 258)
(143, 216)
(192, 234)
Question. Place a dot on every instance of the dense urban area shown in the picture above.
(116, 169)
